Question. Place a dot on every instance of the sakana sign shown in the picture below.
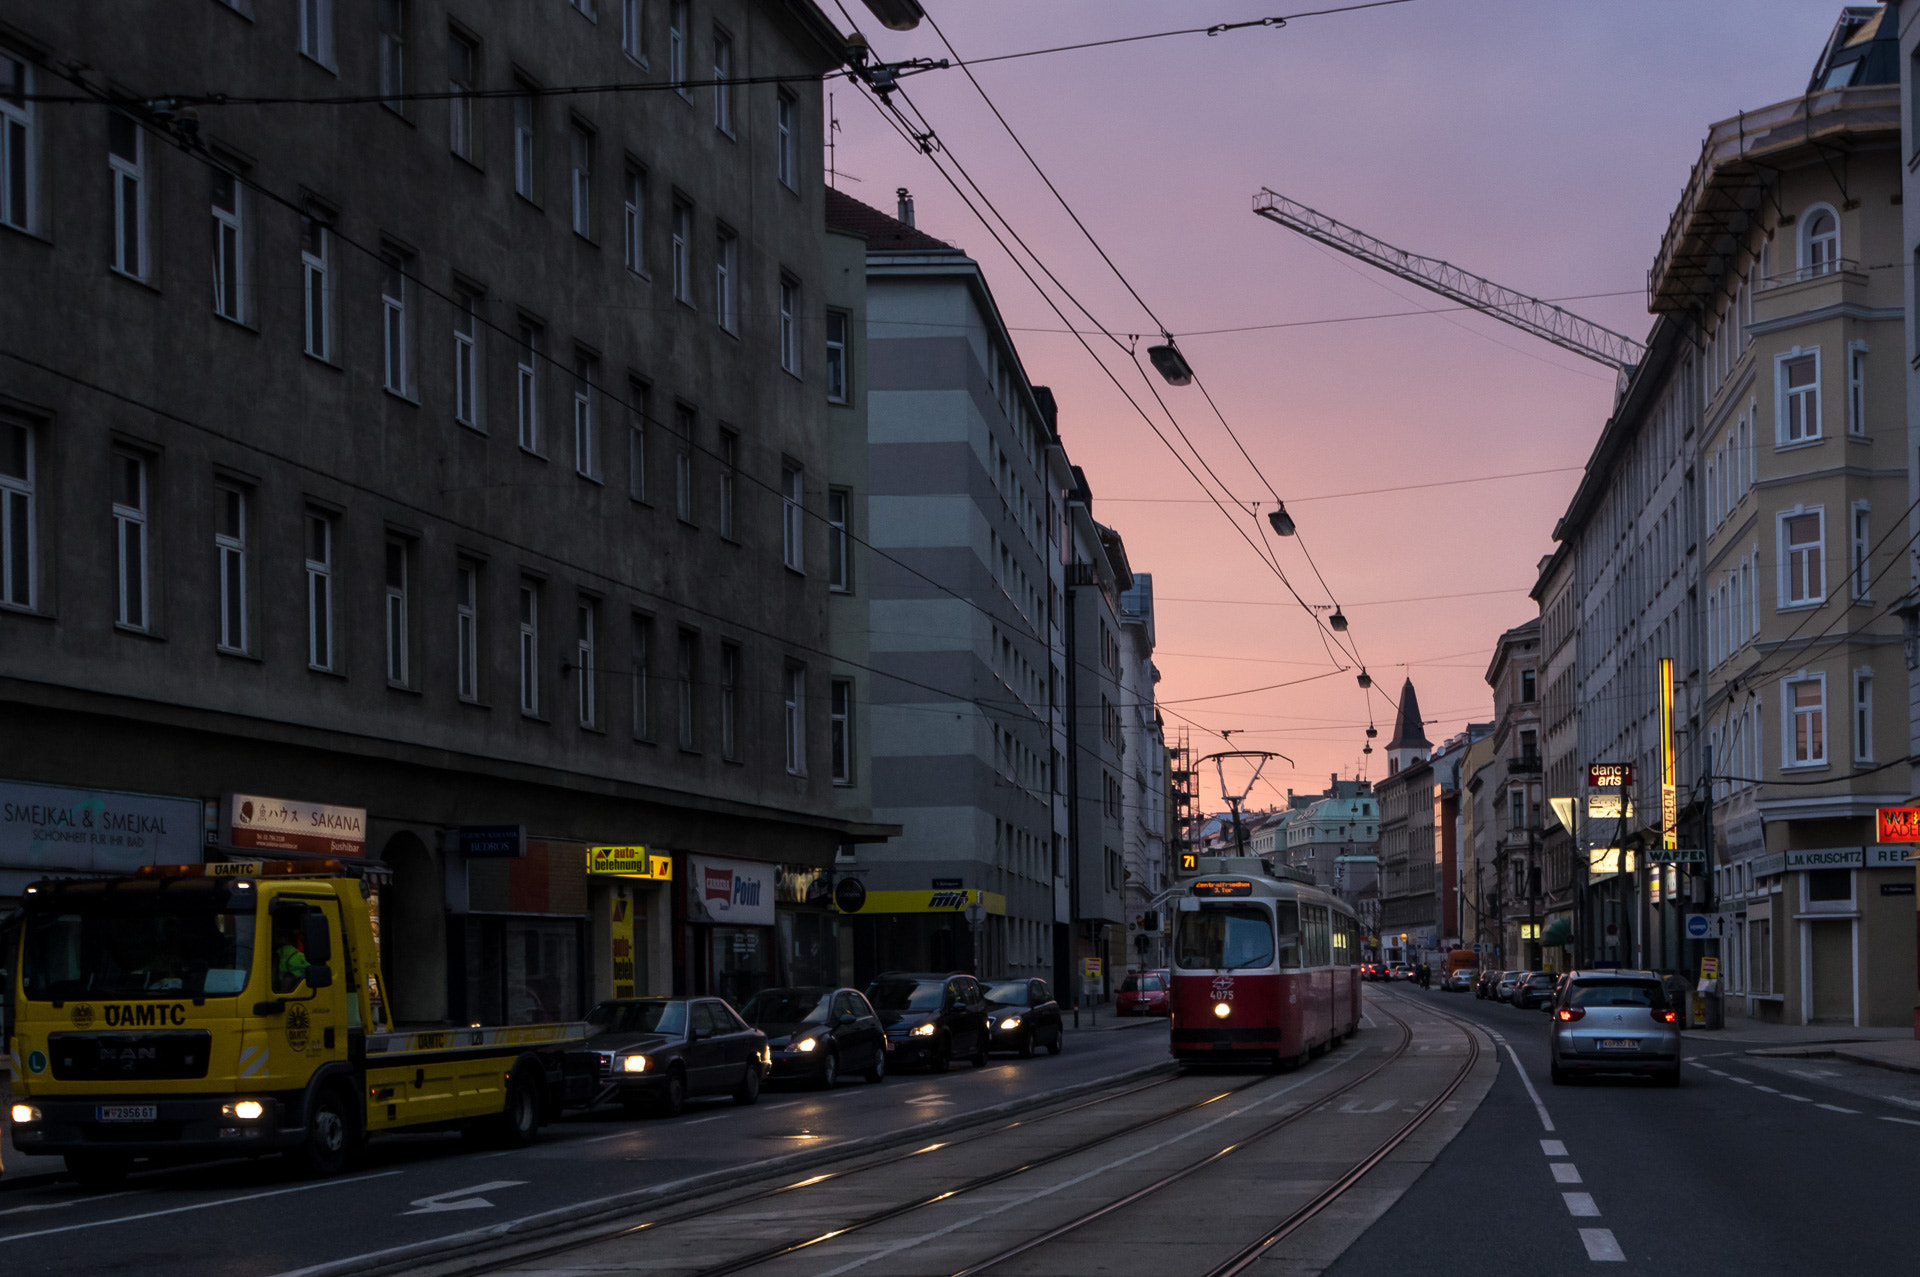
(284, 824)
(55, 827)
(736, 893)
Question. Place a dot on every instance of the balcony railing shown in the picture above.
(1839, 266)
(1524, 765)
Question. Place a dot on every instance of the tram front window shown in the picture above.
(1225, 937)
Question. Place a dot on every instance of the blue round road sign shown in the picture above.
(1697, 926)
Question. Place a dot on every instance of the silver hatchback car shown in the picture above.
(1613, 1022)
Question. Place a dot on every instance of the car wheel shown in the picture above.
(829, 1071)
(979, 1059)
(1556, 1074)
(748, 1091)
(942, 1058)
(1026, 1045)
(878, 1073)
(329, 1136)
(1059, 1042)
(98, 1171)
(672, 1100)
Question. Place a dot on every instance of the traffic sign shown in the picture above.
(1897, 824)
(1698, 926)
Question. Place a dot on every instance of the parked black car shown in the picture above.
(1534, 989)
(659, 1052)
(1023, 1016)
(931, 1019)
(1488, 982)
(817, 1033)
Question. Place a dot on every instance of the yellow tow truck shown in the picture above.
(220, 1009)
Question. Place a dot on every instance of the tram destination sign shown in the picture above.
(1609, 775)
(1235, 887)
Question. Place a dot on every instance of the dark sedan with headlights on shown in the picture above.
(1023, 1016)
(930, 1019)
(818, 1033)
(657, 1053)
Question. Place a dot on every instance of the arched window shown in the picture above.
(1820, 243)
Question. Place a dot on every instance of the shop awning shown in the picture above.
(1559, 931)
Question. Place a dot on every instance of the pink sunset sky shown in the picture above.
(1540, 144)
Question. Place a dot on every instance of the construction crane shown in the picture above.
(1529, 314)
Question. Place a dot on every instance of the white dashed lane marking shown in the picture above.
(1800, 1099)
(1581, 1205)
(1835, 1108)
(1565, 1173)
(1601, 1247)
(1769, 1090)
(1904, 1121)
(1553, 1148)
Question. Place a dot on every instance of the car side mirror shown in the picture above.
(846, 1018)
(319, 975)
(698, 1035)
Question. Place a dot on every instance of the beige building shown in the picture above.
(1515, 796)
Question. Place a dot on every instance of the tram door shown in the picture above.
(1316, 937)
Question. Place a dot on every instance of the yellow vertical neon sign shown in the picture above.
(1669, 795)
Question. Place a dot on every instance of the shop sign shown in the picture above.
(1609, 807)
(949, 884)
(57, 827)
(1769, 866)
(1827, 858)
(1897, 824)
(1896, 888)
(849, 895)
(254, 823)
(1678, 855)
(941, 901)
(733, 892)
(1604, 862)
(1609, 775)
(1894, 857)
(1709, 968)
(620, 939)
(492, 842)
(1090, 969)
(800, 885)
(629, 862)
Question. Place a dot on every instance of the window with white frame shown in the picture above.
(1863, 715)
(796, 720)
(640, 656)
(638, 397)
(229, 247)
(1820, 243)
(1798, 391)
(316, 31)
(1805, 737)
(633, 220)
(463, 78)
(633, 29)
(394, 320)
(230, 553)
(683, 463)
(130, 492)
(17, 515)
(792, 528)
(466, 359)
(580, 185)
(677, 19)
(729, 481)
(722, 86)
(838, 384)
(1802, 557)
(586, 447)
(586, 663)
(523, 144)
(1862, 550)
(726, 276)
(1857, 389)
(729, 701)
(19, 176)
(683, 251)
(530, 648)
(841, 706)
(393, 54)
(839, 544)
(316, 274)
(786, 108)
(789, 325)
(396, 612)
(466, 624)
(319, 568)
(526, 377)
(687, 670)
(127, 159)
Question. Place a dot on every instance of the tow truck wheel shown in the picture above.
(98, 1170)
(329, 1136)
(519, 1121)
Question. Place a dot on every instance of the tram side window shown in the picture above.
(1227, 937)
(1318, 949)
(1286, 917)
(1342, 941)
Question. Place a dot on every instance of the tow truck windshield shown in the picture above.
(170, 948)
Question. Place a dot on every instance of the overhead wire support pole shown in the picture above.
(1529, 314)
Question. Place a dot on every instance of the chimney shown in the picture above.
(905, 213)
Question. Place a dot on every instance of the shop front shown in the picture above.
(62, 832)
(806, 927)
(913, 930)
(1827, 937)
(517, 935)
(728, 932)
(627, 889)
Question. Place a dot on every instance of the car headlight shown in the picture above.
(1011, 1022)
(635, 1063)
(924, 1030)
(807, 1044)
(243, 1110)
(23, 1114)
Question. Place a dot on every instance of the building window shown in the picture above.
(839, 546)
(1863, 716)
(1857, 390)
(523, 143)
(842, 708)
(677, 47)
(729, 701)
(796, 720)
(1806, 727)
(127, 159)
(527, 387)
(466, 620)
(466, 359)
(683, 252)
(637, 396)
(683, 463)
(16, 514)
(530, 648)
(1862, 551)
(1799, 394)
(722, 90)
(396, 609)
(786, 155)
(130, 476)
(729, 480)
(1528, 685)
(587, 667)
(316, 31)
(633, 221)
(586, 451)
(229, 248)
(393, 54)
(686, 670)
(792, 541)
(837, 380)
(726, 250)
(230, 550)
(319, 590)
(789, 330)
(394, 287)
(18, 163)
(1801, 553)
(581, 183)
(642, 677)
(463, 62)
(316, 271)
(1821, 241)
(633, 30)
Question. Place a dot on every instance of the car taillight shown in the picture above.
(1571, 1013)
(1667, 1017)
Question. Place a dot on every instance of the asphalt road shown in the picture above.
(250, 1219)
(1751, 1166)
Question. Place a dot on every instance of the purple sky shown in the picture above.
(1541, 145)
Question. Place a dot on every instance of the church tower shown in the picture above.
(1409, 744)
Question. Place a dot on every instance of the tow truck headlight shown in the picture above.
(23, 1114)
(924, 1030)
(244, 1110)
(1223, 1009)
(807, 1044)
(634, 1063)
(1011, 1022)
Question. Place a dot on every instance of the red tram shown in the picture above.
(1266, 966)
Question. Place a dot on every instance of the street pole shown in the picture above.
(1716, 1009)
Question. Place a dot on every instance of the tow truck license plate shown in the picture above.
(1617, 1044)
(126, 1113)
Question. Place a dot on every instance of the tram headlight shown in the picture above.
(1223, 1009)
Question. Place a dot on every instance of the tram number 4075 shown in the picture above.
(1223, 988)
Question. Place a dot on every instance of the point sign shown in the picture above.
(1697, 926)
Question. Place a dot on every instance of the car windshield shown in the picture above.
(1011, 993)
(640, 1017)
(906, 995)
(98, 948)
(1617, 993)
(786, 1006)
(1225, 937)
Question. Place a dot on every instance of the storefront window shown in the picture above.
(810, 948)
(542, 971)
(739, 963)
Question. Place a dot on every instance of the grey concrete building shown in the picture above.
(1145, 868)
(1514, 789)
(451, 463)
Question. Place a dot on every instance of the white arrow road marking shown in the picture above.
(460, 1198)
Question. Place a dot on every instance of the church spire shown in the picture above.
(1409, 744)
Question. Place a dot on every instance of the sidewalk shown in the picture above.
(1886, 1048)
(1107, 1020)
